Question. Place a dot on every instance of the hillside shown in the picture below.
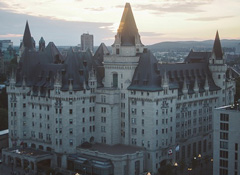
(187, 45)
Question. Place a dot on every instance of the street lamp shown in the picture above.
(199, 155)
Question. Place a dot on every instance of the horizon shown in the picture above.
(171, 20)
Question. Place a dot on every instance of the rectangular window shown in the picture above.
(70, 111)
(224, 135)
(223, 163)
(224, 126)
(224, 117)
(71, 142)
(223, 145)
(224, 154)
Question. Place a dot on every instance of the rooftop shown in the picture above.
(28, 152)
(117, 149)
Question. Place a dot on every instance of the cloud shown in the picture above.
(11, 35)
(95, 9)
(179, 7)
(61, 32)
(150, 34)
(213, 18)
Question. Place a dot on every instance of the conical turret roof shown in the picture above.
(127, 28)
(217, 48)
(27, 38)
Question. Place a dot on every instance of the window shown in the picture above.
(224, 117)
(223, 145)
(236, 147)
(70, 131)
(223, 163)
(71, 142)
(224, 135)
(70, 121)
(70, 111)
(224, 154)
(224, 126)
(115, 80)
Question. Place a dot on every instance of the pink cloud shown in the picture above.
(11, 35)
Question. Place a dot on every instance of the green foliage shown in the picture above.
(3, 99)
(3, 119)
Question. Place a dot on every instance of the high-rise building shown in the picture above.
(118, 113)
(226, 140)
(86, 42)
(5, 44)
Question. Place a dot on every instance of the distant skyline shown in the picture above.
(63, 21)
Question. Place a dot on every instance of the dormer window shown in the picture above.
(117, 51)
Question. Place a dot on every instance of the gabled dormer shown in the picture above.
(127, 41)
(217, 56)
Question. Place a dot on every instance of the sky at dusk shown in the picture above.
(63, 21)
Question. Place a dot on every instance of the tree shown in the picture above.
(3, 119)
(4, 99)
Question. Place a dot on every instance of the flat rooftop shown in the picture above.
(27, 152)
(118, 149)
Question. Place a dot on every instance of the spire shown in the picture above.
(41, 44)
(127, 28)
(27, 39)
(184, 88)
(217, 48)
(195, 88)
(206, 86)
(165, 79)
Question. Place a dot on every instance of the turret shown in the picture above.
(217, 56)
(127, 41)
(41, 44)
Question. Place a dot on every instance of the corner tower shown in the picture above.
(127, 41)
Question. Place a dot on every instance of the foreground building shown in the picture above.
(118, 113)
(226, 153)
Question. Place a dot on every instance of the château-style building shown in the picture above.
(113, 113)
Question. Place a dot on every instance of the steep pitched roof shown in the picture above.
(149, 76)
(127, 28)
(197, 57)
(97, 63)
(217, 48)
(146, 74)
(27, 38)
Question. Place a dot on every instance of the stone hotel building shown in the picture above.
(113, 113)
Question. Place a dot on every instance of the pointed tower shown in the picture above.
(217, 48)
(127, 41)
(216, 64)
(27, 38)
(41, 44)
(217, 56)
(27, 42)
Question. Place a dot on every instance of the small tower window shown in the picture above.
(117, 51)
